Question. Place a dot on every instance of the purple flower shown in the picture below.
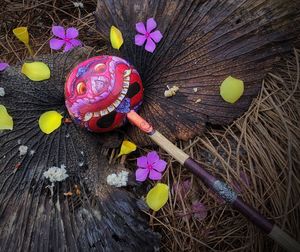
(3, 66)
(150, 165)
(148, 34)
(67, 38)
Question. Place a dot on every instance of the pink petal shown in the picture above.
(154, 175)
(58, 31)
(141, 162)
(156, 36)
(56, 44)
(159, 165)
(141, 174)
(152, 157)
(3, 66)
(71, 33)
(151, 25)
(150, 45)
(140, 27)
(71, 44)
(139, 39)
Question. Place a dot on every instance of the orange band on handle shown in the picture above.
(138, 121)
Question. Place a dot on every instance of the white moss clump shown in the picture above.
(118, 180)
(56, 174)
(23, 150)
(2, 92)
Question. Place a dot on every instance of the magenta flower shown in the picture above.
(147, 34)
(3, 66)
(150, 165)
(67, 38)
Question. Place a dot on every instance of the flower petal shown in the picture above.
(6, 121)
(157, 197)
(36, 71)
(231, 89)
(141, 174)
(150, 45)
(152, 157)
(56, 44)
(22, 34)
(159, 165)
(3, 66)
(72, 33)
(116, 38)
(156, 36)
(154, 175)
(50, 121)
(58, 31)
(71, 44)
(142, 162)
(126, 148)
(139, 39)
(140, 27)
(151, 25)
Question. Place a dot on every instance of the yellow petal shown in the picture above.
(50, 121)
(126, 148)
(157, 197)
(116, 37)
(36, 71)
(22, 34)
(6, 121)
(231, 89)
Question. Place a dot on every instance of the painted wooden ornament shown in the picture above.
(101, 90)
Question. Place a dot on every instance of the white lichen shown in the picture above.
(195, 90)
(78, 4)
(23, 150)
(2, 91)
(56, 174)
(171, 91)
(118, 180)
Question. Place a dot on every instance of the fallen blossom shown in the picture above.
(3, 66)
(36, 71)
(22, 34)
(158, 196)
(66, 38)
(150, 165)
(118, 180)
(116, 38)
(147, 34)
(126, 148)
(6, 121)
(50, 121)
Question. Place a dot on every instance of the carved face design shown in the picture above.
(101, 90)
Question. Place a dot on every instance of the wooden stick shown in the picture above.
(222, 189)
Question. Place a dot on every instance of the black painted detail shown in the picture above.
(133, 89)
(107, 120)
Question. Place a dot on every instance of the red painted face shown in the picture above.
(101, 90)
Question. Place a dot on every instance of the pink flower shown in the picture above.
(67, 38)
(148, 34)
(150, 165)
(3, 66)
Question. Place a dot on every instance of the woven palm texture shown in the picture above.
(204, 42)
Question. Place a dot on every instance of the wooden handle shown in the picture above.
(222, 189)
(284, 239)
